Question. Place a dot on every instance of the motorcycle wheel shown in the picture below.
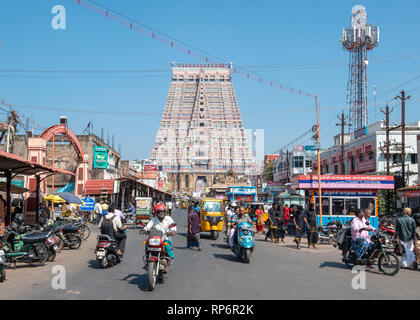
(85, 231)
(389, 264)
(247, 255)
(60, 245)
(42, 259)
(2, 273)
(77, 244)
(51, 255)
(151, 275)
(214, 235)
(104, 263)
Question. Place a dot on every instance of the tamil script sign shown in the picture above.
(100, 157)
(344, 182)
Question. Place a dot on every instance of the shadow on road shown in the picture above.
(94, 264)
(333, 264)
(220, 245)
(137, 279)
(229, 257)
(182, 234)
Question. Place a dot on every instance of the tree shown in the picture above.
(268, 172)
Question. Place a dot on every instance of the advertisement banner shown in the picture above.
(150, 167)
(100, 157)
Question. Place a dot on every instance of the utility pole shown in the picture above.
(403, 98)
(387, 155)
(343, 123)
(318, 149)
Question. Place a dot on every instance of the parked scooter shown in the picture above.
(329, 233)
(106, 251)
(244, 244)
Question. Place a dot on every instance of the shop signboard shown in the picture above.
(100, 157)
(89, 204)
(344, 182)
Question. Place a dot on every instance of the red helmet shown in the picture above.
(159, 207)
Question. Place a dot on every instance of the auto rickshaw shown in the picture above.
(183, 204)
(211, 216)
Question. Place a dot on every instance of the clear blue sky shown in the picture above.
(249, 33)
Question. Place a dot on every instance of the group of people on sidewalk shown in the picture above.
(280, 218)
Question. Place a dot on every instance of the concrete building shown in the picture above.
(296, 162)
(201, 136)
(66, 157)
(366, 154)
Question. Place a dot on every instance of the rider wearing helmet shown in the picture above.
(165, 223)
(229, 214)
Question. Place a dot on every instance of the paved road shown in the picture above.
(276, 272)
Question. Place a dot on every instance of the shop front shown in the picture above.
(342, 195)
(242, 194)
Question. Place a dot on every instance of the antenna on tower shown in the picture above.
(358, 39)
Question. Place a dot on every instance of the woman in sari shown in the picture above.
(259, 213)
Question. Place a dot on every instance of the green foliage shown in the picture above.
(268, 172)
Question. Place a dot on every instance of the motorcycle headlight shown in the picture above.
(154, 242)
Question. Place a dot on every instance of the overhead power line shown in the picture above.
(202, 55)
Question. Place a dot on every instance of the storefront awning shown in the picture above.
(96, 187)
(13, 188)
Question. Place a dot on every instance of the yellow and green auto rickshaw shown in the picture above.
(211, 216)
(183, 204)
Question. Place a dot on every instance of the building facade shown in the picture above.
(367, 154)
(201, 137)
(293, 163)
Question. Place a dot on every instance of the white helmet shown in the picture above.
(234, 204)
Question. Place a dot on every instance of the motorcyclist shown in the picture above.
(241, 217)
(164, 223)
(361, 241)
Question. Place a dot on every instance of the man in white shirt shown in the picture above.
(163, 223)
(118, 229)
(169, 206)
(98, 210)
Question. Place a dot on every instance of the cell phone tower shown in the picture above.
(358, 39)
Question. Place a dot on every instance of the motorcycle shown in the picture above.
(71, 236)
(52, 245)
(244, 245)
(156, 259)
(388, 262)
(329, 233)
(27, 248)
(106, 251)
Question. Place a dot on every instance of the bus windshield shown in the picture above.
(212, 206)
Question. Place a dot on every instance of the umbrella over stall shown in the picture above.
(69, 197)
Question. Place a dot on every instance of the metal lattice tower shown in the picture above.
(358, 39)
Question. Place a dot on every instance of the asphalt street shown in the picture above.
(275, 272)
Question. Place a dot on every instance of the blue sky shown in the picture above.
(248, 33)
